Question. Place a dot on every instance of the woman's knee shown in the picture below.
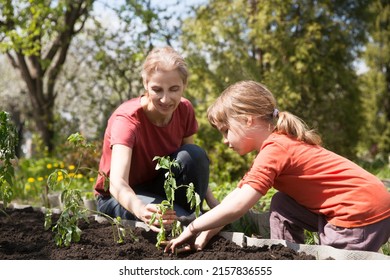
(194, 168)
(193, 161)
(192, 153)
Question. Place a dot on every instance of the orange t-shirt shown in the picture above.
(320, 180)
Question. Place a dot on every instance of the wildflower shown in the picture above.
(92, 179)
(49, 166)
(27, 187)
(60, 178)
(71, 167)
(40, 179)
(79, 176)
(31, 180)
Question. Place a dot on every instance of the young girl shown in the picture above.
(160, 122)
(318, 190)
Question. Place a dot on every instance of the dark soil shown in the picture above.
(23, 237)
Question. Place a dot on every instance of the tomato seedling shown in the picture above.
(170, 187)
(66, 227)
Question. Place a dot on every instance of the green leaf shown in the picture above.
(152, 219)
(189, 195)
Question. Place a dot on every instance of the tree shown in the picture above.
(105, 68)
(302, 50)
(376, 82)
(36, 36)
(18, 108)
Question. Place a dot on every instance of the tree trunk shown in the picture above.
(38, 68)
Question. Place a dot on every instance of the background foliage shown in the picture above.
(67, 64)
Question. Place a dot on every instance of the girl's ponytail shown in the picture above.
(291, 125)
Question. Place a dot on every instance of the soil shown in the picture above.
(23, 237)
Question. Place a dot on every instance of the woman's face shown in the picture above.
(164, 91)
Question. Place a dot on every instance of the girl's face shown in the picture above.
(164, 91)
(244, 136)
(235, 137)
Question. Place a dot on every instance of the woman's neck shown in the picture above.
(153, 116)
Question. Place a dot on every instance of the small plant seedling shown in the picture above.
(8, 141)
(66, 227)
(170, 186)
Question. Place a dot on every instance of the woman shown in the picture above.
(161, 122)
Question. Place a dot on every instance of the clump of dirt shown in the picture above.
(23, 237)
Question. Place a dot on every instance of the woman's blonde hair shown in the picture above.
(164, 59)
(250, 98)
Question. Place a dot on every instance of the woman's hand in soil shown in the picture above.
(147, 213)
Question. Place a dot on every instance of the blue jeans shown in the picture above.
(193, 168)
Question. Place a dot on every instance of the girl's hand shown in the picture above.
(200, 242)
(147, 212)
(204, 237)
(186, 237)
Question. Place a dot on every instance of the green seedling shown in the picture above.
(170, 187)
(8, 141)
(66, 227)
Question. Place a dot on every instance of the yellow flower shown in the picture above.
(31, 180)
(49, 166)
(60, 178)
(92, 179)
(40, 179)
(79, 176)
(27, 187)
(71, 175)
(59, 173)
(71, 167)
(55, 165)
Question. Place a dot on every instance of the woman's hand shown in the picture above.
(149, 210)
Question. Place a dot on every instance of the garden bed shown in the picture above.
(23, 237)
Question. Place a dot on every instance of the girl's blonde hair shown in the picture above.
(164, 59)
(250, 98)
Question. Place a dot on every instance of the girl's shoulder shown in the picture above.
(280, 139)
(287, 140)
(290, 145)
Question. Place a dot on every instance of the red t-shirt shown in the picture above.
(129, 126)
(320, 180)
